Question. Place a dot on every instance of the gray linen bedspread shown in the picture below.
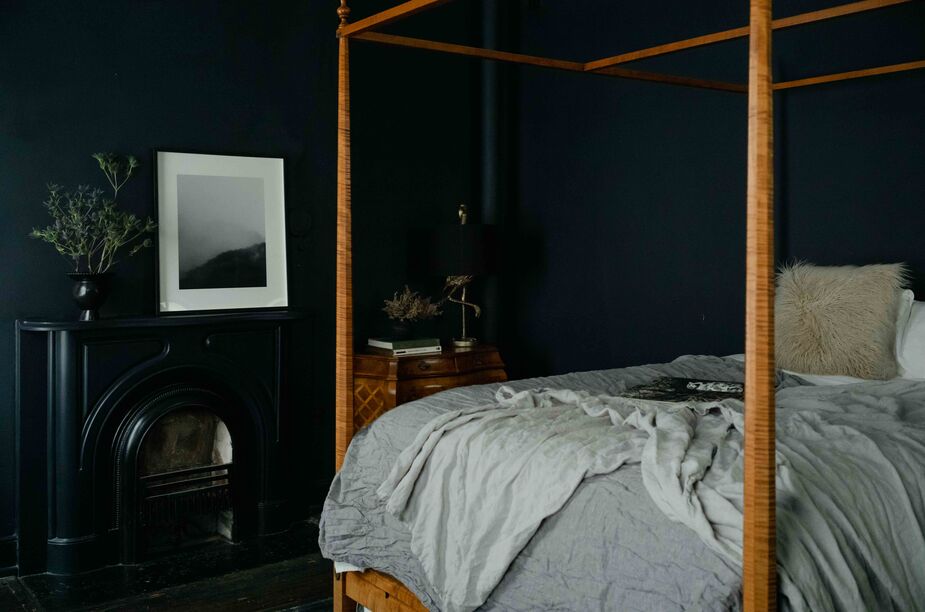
(611, 548)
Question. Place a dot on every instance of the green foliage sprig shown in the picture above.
(88, 228)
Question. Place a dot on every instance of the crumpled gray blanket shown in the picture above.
(467, 510)
(475, 484)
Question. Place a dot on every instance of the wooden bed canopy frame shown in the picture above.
(382, 592)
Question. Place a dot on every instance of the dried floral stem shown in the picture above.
(410, 306)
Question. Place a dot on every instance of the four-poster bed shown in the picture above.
(380, 591)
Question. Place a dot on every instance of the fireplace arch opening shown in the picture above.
(185, 466)
(184, 481)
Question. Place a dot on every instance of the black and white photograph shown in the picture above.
(221, 233)
(221, 221)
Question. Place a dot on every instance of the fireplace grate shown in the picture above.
(169, 496)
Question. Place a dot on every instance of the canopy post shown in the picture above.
(759, 564)
(343, 310)
(344, 306)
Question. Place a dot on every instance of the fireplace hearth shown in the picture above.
(139, 437)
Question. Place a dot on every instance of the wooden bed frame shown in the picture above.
(383, 593)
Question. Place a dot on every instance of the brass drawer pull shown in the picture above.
(423, 366)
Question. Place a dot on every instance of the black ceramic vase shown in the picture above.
(90, 291)
(402, 330)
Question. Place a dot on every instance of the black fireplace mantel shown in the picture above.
(179, 320)
(81, 383)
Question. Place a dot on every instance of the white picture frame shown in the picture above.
(221, 232)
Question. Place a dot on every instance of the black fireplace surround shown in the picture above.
(88, 392)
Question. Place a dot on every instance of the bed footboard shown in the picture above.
(376, 591)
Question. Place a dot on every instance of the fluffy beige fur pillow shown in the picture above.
(838, 320)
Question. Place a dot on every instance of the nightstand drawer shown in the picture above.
(430, 365)
(411, 390)
(478, 360)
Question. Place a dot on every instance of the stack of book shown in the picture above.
(415, 346)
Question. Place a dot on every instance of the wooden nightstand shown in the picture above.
(381, 381)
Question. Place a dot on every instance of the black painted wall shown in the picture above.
(623, 202)
(629, 199)
(224, 77)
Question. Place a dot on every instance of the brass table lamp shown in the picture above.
(463, 252)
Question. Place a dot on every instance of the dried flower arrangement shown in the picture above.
(410, 306)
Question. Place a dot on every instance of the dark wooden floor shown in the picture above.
(283, 572)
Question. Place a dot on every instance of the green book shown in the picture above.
(390, 344)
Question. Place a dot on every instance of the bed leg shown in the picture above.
(342, 603)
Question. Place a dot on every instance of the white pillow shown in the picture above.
(903, 312)
(912, 347)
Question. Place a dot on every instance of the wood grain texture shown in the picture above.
(406, 9)
(344, 301)
(759, 564)
(343, 309)
(383, 592)
(853, 74)
(717, 37)
(342, 601)
(543, 62)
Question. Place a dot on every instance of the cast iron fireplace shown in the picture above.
(184, 480)
(174, 478)
(142, 436)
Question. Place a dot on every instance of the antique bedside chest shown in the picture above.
(382, 381)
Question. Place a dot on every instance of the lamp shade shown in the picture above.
(457, 250)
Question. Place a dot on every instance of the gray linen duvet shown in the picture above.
(609, 544)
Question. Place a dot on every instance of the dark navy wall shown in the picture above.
(415, 158)
(623, 202)
(224, 77)
(630, 197)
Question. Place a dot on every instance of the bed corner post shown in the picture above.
(344, 306)
(759, 564)
(343, 310)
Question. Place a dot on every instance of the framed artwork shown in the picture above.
(221, 232)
